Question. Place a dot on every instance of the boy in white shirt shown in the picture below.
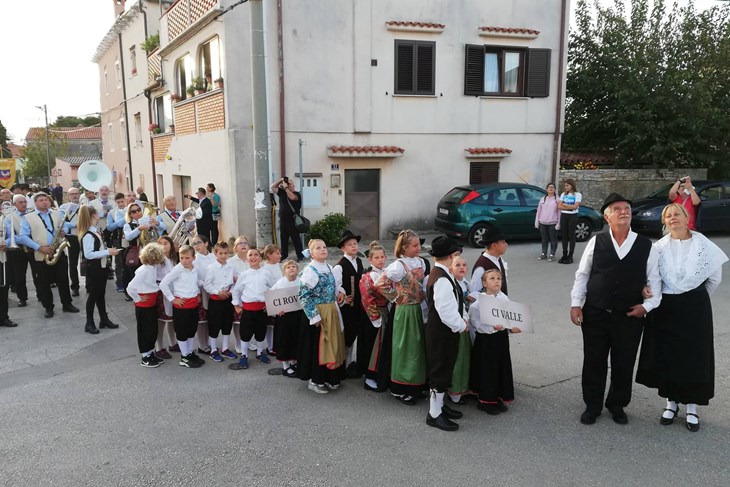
(218, 282)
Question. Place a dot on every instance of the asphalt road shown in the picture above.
(78, 410)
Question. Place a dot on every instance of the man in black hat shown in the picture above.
(446, 319)
(491, 258)
(606, 302)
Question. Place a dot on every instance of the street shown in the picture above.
(78, 410)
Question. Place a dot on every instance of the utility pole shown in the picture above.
(48, 143)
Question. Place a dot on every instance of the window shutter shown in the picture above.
(425, 72)
(538, 73)
(483, 172)
(474, 70)
(404, 67)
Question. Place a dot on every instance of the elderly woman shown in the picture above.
(677, 354)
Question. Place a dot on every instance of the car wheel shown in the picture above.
(583, 230)
(476, 237)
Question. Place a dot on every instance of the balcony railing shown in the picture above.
(154, 66)
(185, 13)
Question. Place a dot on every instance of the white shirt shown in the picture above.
(239, 265)
(202, 262)
(475, 322)
(143, 282)
(251, 286)
(475, 284)
(87, 242)
(181, 283)
(686, 264)
(578, 294)
(284, 283)
(219, 277)
(570, 199)
(164, 268)
(338, 270)
(274, 269)
(309, 278)
(446, 304)
(396, 272)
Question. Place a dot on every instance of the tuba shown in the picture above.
(59, 243)
(94, 174)
(153, 234)
(181, 232)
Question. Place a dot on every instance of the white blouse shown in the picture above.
(686, 264)
(143, 282)
(251, 286)
(181, 283)
(475, 322)
(219, 278)
(239, 265)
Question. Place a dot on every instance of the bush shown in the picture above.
(329, 228)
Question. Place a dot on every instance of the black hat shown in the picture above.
(491, 235)
(422, 240)
(347, 235)
(443, 246)
(613, 198)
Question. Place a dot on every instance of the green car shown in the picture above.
(466, 212)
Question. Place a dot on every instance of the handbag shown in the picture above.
(131, 258)
(301, 223)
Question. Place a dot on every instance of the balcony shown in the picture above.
(154, 66)
(184, 18)
(201, 113)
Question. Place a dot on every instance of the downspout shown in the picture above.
(559, 102)
(126, 114)
(149, 111)
(282, 121)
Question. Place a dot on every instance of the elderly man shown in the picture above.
(115, 221)
(608, 305)
(140, 194)
(18, 259)
(71, 219)
(5, 195)
(104, 204)
(170, 214)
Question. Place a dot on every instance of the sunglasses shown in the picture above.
(135, 211)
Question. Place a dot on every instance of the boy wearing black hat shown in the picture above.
(446, 319)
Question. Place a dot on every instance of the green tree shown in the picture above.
(71, 121)
(4, 151)
(36, 162)
(650, 84)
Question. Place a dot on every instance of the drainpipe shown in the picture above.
(282, 121)
(126, 111)
(559, 101)
(149, 112)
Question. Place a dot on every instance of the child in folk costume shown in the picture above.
(376, 306)
(240, 263)
(322, 343)
(143, 290)
(164, 306)
(460, 377)
(218, 283)
(491, 363)
(288, 325)
(203, 258)
(402, 284)
(182, 287)
(249, 300)
(272, 264)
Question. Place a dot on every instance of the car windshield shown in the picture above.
(455, 195)
(661, 193)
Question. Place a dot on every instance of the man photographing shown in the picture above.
(290, 204)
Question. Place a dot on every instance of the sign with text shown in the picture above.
(493, 311)
(286, 299)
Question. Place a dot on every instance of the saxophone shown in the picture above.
(153, 234)
(59, 243)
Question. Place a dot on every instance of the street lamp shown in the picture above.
(48, 143)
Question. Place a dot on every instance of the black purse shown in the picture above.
(301, 223)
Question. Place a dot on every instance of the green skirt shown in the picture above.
(408, 362)
(460, 376)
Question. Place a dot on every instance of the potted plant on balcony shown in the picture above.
(150, 43)
(190, 90)
(134, 71)
(199, 84)
(219, 83)
(154, 128)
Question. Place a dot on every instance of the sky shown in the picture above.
(47, 46)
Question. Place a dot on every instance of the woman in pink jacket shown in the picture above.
(547, 219)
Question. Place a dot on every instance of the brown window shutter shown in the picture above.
(404, 67)
(483, 172)
(474, 70)
(538, 73)
(425, 72)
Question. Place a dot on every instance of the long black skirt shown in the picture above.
(490, 375)
(308, 367)
(677, 351)
(379, 365)
(287, 329)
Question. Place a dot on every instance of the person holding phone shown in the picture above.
(290, 204)
(683, 193)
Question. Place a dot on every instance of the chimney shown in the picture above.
(118, 7)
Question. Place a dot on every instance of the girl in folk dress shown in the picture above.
(322, 343)
(240, 263)
(288, 325)
(164, 307)
(460, 377)
(402, 284)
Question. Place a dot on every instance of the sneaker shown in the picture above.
(252, 347)
(238, 350)
(263, 358)
(542, 257)
(149, 361)
(175, 348)
(204, 351)
(163, 354)
(187, 361)
(196, 359)
(551, 258)
(216, 356)
(228, 354)
(120, 289)
(156, 359)
(318, 388)
(332, 387)
(242, 364)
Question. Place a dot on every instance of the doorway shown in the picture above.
(362, 201)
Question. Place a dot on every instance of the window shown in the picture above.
(504, 197)
(712, 193)
(110, 132)
(118, 70)
(210, 62)
(506, 71)
(163, 111)
(106, 81)
(415, 63)
(123, 130)
(183, 75)
(532, 196)
(138, 130)
(310, 190)
(483, 172)
(133, 59)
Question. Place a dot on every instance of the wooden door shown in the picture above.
(362, 202)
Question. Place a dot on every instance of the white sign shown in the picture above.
(286, 299)
(493, 311)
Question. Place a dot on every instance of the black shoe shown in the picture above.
(569, 260)
(374, 389)
(442, 422)
(48, 313)
(8, 323)
(22, 304)
(667, 421)
(407, 400)
(91, 328)
(460, 402)
(107, 324)
(195, 358)
(488, 408)
(562, 259)
(588, 417)
(502, 406)
(619, 416)
(110, 277)
(127, 297)
(692, 426)
(352, 372)
(75, 293)
(450, 413)
(70, 308)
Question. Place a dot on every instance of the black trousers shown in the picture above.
(203, 229)
(34, 271)
(214, 233)
(146, 328)
(96, 285)
(442, 348)
(220, 317)
(73, 260)
(287, 230)
(568, 223)
(17, 270)
(253, 324)
(605, 335)
(184, 321)
(48, 274)
(4, 296)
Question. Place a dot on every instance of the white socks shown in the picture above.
(244, 348)
(673, 406)
(260, 347)
(183, 348)
(455, 397)
(284, 364)
(225, 341)
(190, 346)
(435, 403)
(269, 337)
(147, 354)
(213, 344)
(371, 383)
(692, 409)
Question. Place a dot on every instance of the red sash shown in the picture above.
(215, 297)
(256, 306)
(190, 303)
(151, 301)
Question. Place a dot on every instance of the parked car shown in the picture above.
(466, 212)
(713, 213)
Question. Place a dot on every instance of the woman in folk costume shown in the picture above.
(402, 284)
(288, 325)
(322, 343)
(376, 306)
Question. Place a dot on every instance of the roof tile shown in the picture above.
(488, 150)
(509, 30)
(65, 133)
(377, 149)
(409, 23)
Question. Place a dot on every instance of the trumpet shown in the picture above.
(59, 243)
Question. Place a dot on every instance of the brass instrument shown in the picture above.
(59, 243)
(181, 232)
(153, 234)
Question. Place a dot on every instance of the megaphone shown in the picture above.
(94, 174)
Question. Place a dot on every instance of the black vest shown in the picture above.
(92, 263)
(616, 284)
(135, 241)
(347, 274)
(487, 264)
(436, 274)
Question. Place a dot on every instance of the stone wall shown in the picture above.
(595, 185)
